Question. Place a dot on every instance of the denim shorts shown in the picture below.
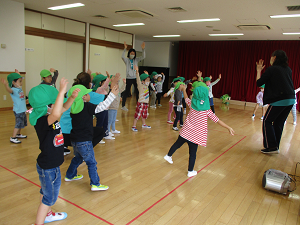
(50, 184)
(21, 120)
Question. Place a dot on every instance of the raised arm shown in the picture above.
(199, 75)
(138, 79)
(110, 98)
(5, 83)
(143, 53)
(259, 67)
(124, 58)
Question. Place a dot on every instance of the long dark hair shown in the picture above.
(84, 79)
(281, 58)
(131, 50)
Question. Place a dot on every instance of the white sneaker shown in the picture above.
(192, 173)
(253, 116)
(109, 138)
(117, 120)
(111, 134)
(295, 123)
(124, 108)
(134, 129)
(102, 142)
(184, 111)
(168, 159)
(115, 131)
(55, 217)
(145, 126)
(21, 136)
(262, 118)
(175, 128)
(153, 106)
(15, 140)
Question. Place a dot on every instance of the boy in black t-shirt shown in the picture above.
(44, 120)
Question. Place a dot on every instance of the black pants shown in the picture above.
(98, 134)
(158, 97)
(129, 83)
(183, 103)
(273, 124)
(179, 116)
(192, 150)
(67, 140)
(102, 121)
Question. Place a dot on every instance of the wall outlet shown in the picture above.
(4, 97)
(97, 54)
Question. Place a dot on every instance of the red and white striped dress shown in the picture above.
(195, 125)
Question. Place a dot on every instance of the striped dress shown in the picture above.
(195, 126)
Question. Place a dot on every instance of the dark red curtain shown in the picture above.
(235, 60)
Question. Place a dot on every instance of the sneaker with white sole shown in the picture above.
(192, 173)
(15, 140)
(117, 120)
(124, 108)
(21, 136)
(100, 187)
(184, 111)
(111, 134)
(102, 142)
(145, 126)
(109, 138)
(294, 123)
(253, 116)
(262, 118)
(77, 177)
(168, 159)
(134, 129)
(66, 151)
(116, 131)
(55, 217)
(159, 105)
(175, 128)
(170, 122)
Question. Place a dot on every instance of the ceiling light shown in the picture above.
(199, 20)
(298, 33)
(239, 34)
(66, 6)
(129, 24)
(166, 36)
(285, 16)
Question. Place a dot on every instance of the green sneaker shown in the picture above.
(100, 187)
(77, 177)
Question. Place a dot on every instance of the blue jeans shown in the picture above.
(112, 116)
(102, 121)
(50, 184)
(84, 151)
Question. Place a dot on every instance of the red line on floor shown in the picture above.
(181, 184)
(60, 197)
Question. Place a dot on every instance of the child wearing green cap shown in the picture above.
(259, 102)
(141, 110)
(194, 130)
(13, 85)
(51, 142)
(82, 112)
(207, 81)
(159, 87)
(153, 90)
(178, 104)
(47, 78)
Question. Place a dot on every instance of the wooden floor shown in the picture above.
(145, 189)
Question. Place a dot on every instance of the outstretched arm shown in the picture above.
(221, 123)
(5, 83)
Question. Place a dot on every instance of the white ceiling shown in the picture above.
(231, 13)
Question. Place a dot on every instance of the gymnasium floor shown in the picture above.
(145, 189)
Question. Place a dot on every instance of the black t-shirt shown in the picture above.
(82, 123)
(51, 143)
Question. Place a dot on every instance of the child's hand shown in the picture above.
(220, 76)
(75, 93)
(231, 131)
(4, 81)
(97, 73)
(52, 70)
(210, 76)
(146, 72)
(89, 71)
(199, 73)
(124, 81)
(165, 95)
(136, 68)
(260, 65)
(125, 45)
(193, 79)
(17, 71)
(63, 85)
(117, 76)
(162, 74)
(107, 74)
(115, 90)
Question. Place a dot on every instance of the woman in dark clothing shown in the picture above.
(279, 94)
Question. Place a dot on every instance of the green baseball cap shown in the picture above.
(93, 74)
(39, 97)
(144, 76)
(176, 79)
(181, 78)
(200, 100)
(97, 79)
(78, 103)
(13, 76)
(153, 74)
(177, 85)
(206, 79)
(262, 86)
(45, 73)
(198, 84)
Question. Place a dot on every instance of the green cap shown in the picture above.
(200, 100)
(177, 85)
(153, 74)
(206, 79)
(78, 103)
(93, 74)
(181, 78)
(144, 76)
(96, 81)
(176, 79)
(262, 86)
(11, 77)
(45, 73)
(39, 97)
(198, 84)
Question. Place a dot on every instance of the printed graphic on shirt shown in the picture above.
(146, 94)
(58, 140)
(56, 126)
(21, 94)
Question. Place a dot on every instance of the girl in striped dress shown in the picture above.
(194, 130)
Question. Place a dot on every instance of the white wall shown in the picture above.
(157, 54)
(12, 34)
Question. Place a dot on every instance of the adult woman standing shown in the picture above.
(130, 61)
(279, 94)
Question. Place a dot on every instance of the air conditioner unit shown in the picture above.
(136, 14)
(253, 27)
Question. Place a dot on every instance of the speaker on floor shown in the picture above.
(276, 180)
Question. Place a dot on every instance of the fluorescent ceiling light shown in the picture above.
(129, 24)
(199, 20)
(239, 34)
(66, 6)
(291, 33)
(285, 16)
(166, 36)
